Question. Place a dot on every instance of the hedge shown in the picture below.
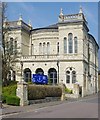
(36, 92)
(13, 100)
(53, 91)
(42, 91)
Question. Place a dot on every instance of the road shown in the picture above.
(85, 108)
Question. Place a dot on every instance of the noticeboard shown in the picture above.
(39, 79)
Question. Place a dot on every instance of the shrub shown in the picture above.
(13, 100)
(69, 91)
(36, 92)
(53, 91)
(9, 90)
(42, 91)
(8, 83)
(12, 82)
(3, 98)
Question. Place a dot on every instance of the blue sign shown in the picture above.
(39, 79)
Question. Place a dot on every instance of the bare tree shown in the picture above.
(10, 49)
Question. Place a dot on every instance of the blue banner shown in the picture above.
(39, 79)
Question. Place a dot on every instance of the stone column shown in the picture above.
(22, 93)
(76, 90)
(63, 91)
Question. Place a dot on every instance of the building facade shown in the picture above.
(64, 51)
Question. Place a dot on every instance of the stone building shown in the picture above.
(64, 51)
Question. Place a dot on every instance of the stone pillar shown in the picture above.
(76, 90)
(83, 91)
(63, 91)
(22, 93)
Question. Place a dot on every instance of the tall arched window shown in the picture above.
(48, 48)
(32, 49)
(65, 45)
(40, 48)
(73, 76)
(52, 75)
(7, 46)
(70, 42)
(75, 45)
(15, 46)
(58, 48)
(67, 76)
(11, 46)
(44, 48)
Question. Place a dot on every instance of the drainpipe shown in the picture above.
(58, 71)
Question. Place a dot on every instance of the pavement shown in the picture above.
(8, 109)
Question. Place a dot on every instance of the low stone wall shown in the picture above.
(47, 99)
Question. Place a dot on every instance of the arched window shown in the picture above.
(67, 76)
(70, 75)
(15, 47)
(65, 45)
(52, 76)
(40, 48)
(73, 76)
(14, 75)
(7, 46)
(32, 49)
(11, 46)
(70, 42)
(9, 75)
(48, 48)
(75, 44)
(39, 71)
(58, 48)
(44, 48)
(27, 75)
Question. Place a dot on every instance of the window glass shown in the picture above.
(58, 48)
(48, 48)
(70, 42)
(75, 44)
(65, 45)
